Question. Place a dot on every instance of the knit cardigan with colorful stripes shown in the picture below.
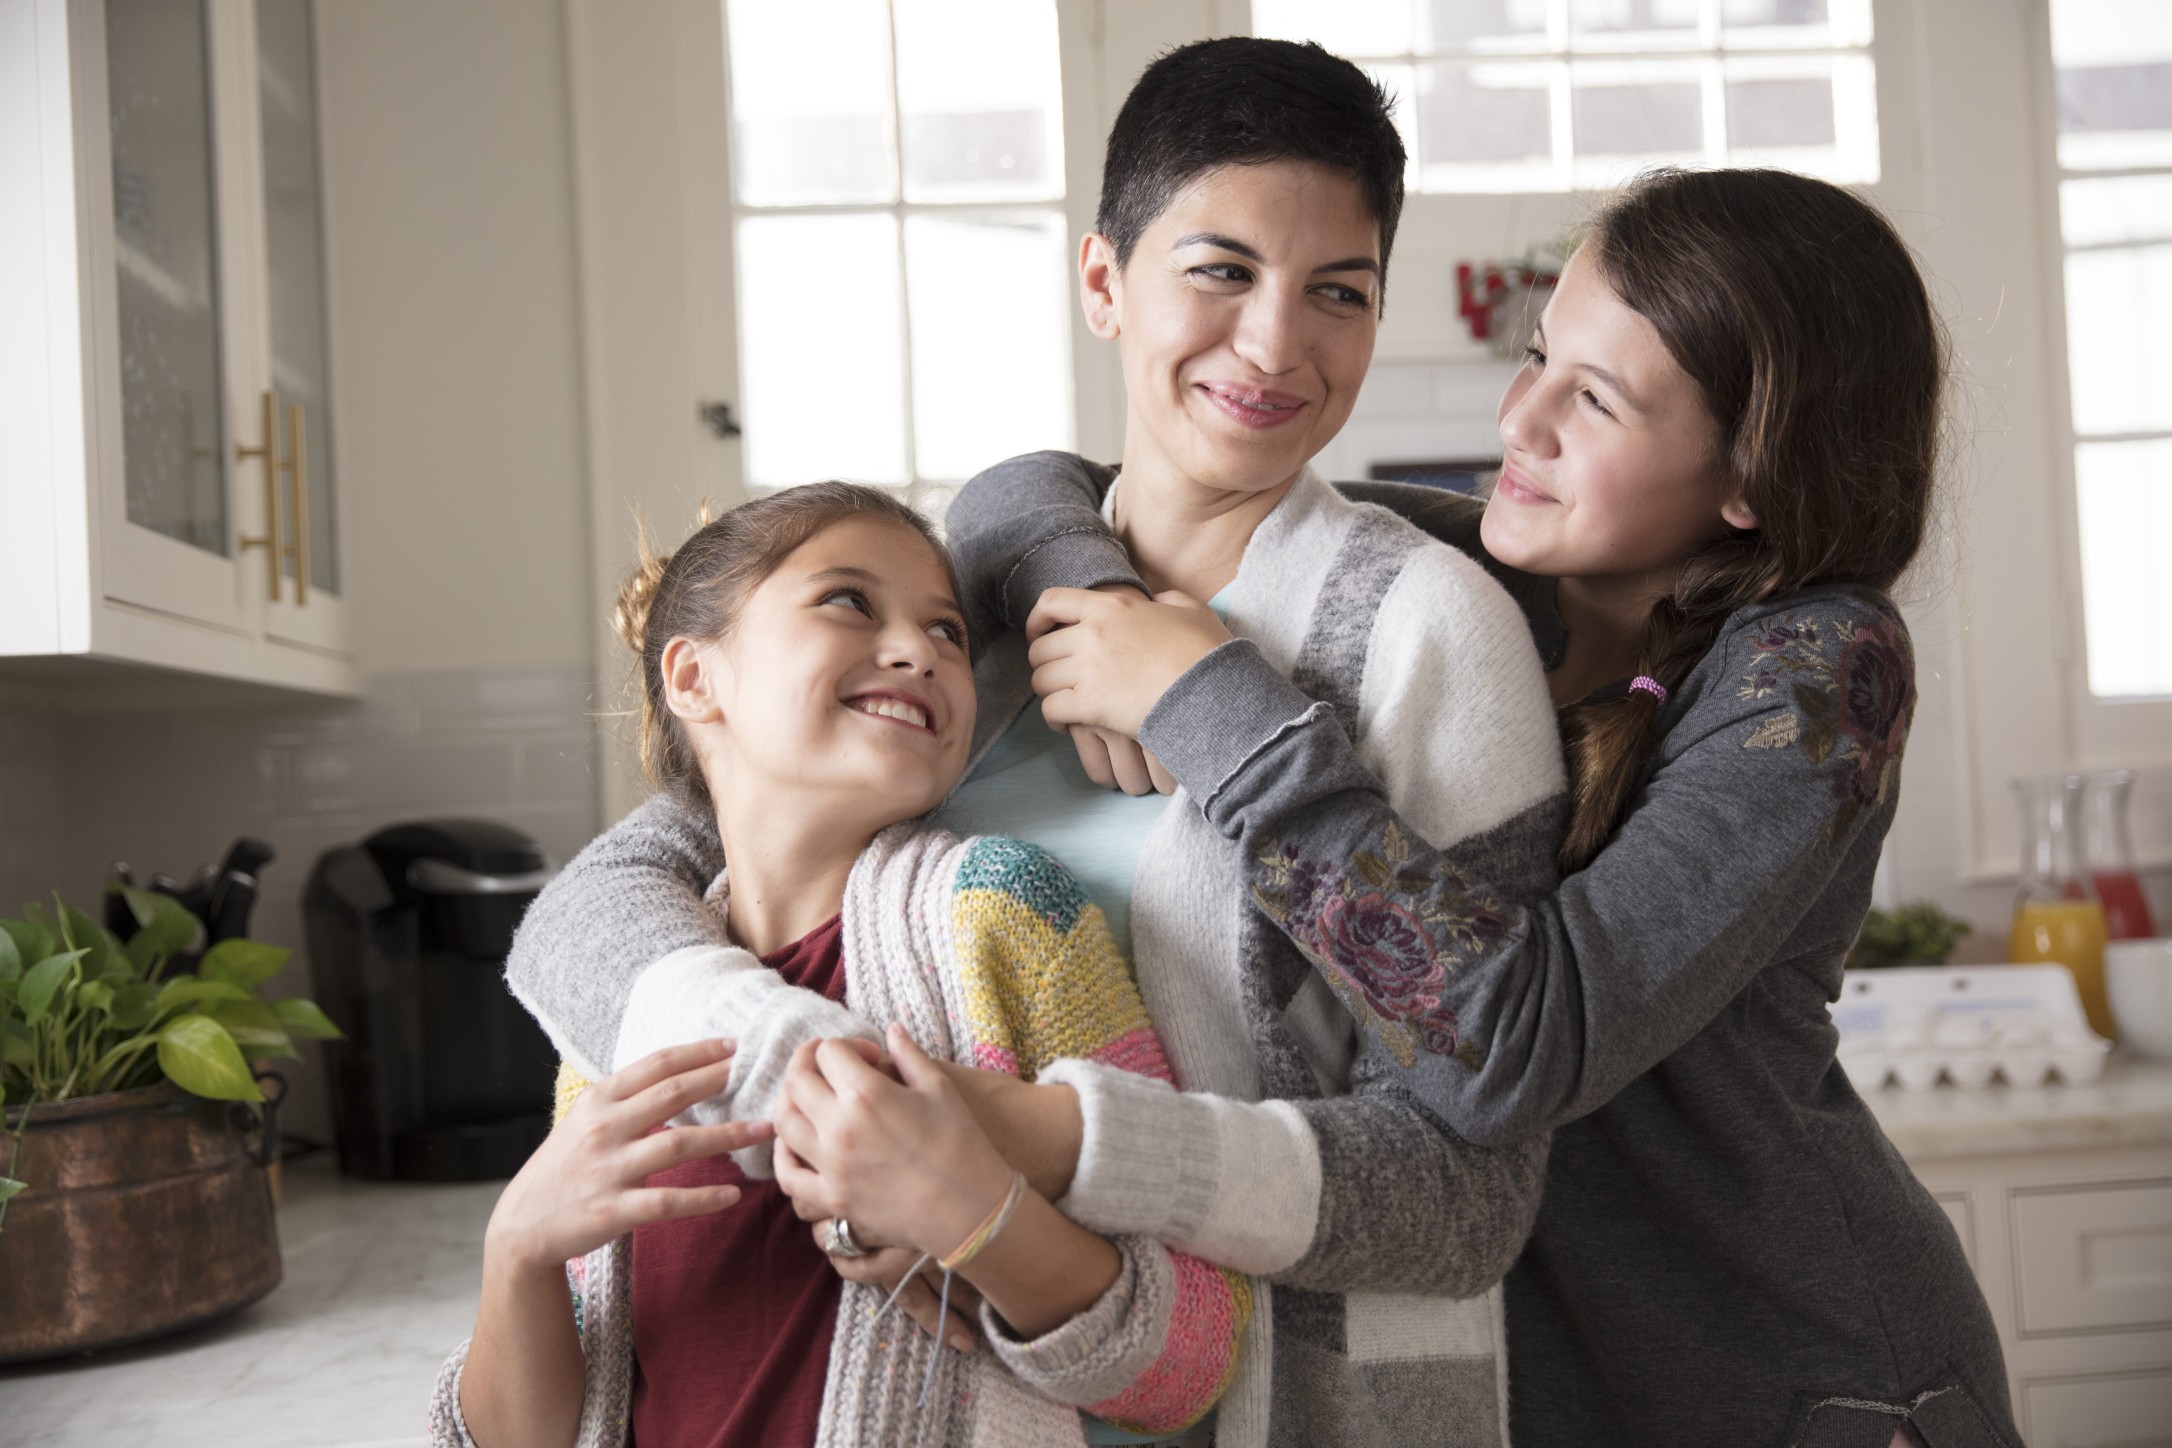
(988, 952)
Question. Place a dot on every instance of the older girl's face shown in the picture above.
(844, 681)
(1246, 317)
(1610, 459)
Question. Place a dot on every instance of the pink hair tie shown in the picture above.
(1650, 686)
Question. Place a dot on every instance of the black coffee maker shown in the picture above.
(443, 1076)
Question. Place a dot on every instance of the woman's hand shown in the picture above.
(1114, 762)
(904, 1161)
(588, 1182)
(1104, 659)
(883, 1268)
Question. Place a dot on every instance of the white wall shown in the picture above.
(457, 329)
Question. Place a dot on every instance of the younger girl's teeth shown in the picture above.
(893, 709)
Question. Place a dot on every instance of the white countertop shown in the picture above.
(381, 1283)
(2131, 1105)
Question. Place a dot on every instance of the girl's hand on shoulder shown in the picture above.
(588, 1182)
(903, 1160)
(1103, 659)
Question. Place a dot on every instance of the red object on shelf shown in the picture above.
(1481, 287)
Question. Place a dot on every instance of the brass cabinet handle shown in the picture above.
(269, 539)
(296, 467)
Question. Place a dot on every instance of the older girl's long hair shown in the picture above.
(1801, 316)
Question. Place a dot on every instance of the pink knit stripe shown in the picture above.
(1198, 1359)
(995, 1058)
(1138, 1052)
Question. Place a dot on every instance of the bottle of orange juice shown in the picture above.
(2057, 916)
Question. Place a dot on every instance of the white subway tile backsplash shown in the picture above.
(167, 792)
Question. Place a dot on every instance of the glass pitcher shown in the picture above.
(2108, 852)
(2057, 915)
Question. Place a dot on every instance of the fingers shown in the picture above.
(919, 1302)
(845, 1068)
(666, 1204)
(687, 1087)
(660, 1065)
(914, 1066)
(1128, 761)
(662, 1150)
(1178, 598)
(1093, 754)
(1057, 607)
(1164, 781)
(805, 1087)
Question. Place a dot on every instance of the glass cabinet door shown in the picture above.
(295, 297)
(165, 247)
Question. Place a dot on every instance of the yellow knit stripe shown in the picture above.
(1039, 995)
(569, 1086)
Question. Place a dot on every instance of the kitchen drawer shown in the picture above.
(2091, 1258)
(2111, 1410)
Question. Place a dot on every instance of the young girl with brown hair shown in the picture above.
(804, 673)
(1718, 454)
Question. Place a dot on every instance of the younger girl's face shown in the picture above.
(843, 690)
(1610, 460)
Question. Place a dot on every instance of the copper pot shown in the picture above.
(147, 1212)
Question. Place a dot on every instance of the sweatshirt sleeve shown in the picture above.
(1779, 762)
(1041, 978)
(1026, 525)
(621, 956)
(1363, 1188)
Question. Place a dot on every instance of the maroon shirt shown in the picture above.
(733, 1311)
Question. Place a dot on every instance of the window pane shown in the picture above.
(822, 349)
(1483, 25)
(2116, 208)
(1347, 27)
(2115, 82)
(2119, 339)
(811, 102)
(991, 345)
(294, 260)
(1789, 24)
(1634, 24)
(1627, 109)
(173, 425)
(1774, 110)
(2123, 491)
(1489, 124)
(981, 96)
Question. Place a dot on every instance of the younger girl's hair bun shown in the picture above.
(630, 615)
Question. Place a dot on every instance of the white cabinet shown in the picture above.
(169, 495)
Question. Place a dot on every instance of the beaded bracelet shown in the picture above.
(985, 1233)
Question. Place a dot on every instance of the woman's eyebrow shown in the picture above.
(1251, 253)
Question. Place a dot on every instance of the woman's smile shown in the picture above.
(1515, 487)
(1249, 406)
(894, 706)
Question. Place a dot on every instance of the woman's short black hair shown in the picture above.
(1243, 100)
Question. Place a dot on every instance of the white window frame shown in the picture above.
(1563, 61)
(931, 493)
(2133, 732)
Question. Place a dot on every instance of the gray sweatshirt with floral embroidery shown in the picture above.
(1729, 1251)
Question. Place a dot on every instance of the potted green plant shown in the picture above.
(134, 1199)
(1914, 934)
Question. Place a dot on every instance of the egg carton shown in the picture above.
(1970, 1025)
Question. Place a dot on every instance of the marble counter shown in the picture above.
(381, 1282)
(2130, 1106)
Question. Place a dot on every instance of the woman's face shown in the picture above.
(844, 682)
(1245, 318)
(1610, 460)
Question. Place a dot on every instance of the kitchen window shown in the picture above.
(1560, 95)
(2113, 69)
(902, 252)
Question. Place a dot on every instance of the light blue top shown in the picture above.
(1030, 786)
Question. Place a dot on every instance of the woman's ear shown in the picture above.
(1736, 513)
(1098, 279)
(692, 687)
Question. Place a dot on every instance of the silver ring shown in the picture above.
(840, 1243)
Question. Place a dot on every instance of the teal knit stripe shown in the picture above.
(1028, 874)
